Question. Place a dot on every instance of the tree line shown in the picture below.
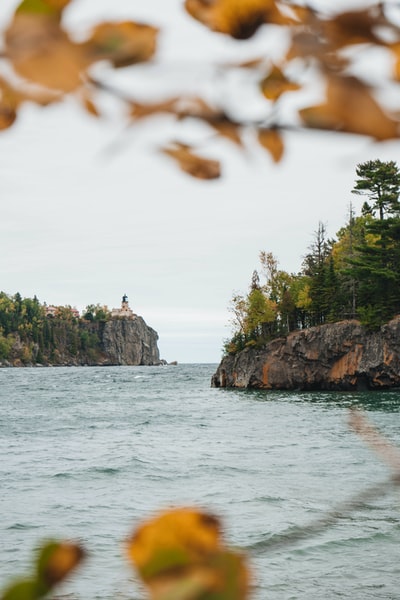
(30, 333)
(353, 276)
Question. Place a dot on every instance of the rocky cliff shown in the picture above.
(130, 342)
(337, 356)
(77, 342)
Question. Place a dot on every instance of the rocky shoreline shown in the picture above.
(338, 356)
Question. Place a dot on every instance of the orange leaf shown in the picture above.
(227, 129)
(41, 52)
(11, 98)
(9, 101)
(250, 64)
(7, 116)
(395, 48)
(141, 111)
(197, 108)
(201, 168)
(350, 107)
(276, 84)
(124, 43)
(89, 105)
(272, 141)
(238, 18)
(57, 560)
(354, 27)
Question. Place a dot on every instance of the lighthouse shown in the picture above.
(125, 310)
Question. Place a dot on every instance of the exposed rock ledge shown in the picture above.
(337, 356)
(130, 342)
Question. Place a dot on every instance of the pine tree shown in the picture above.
(377, 264)
(380, 181)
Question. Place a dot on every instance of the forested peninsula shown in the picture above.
(335, 324)
(36, 334)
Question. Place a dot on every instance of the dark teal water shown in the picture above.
(87, 453)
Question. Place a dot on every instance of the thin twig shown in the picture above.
(330, 518)
(385, 450)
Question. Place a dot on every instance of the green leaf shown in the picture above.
(28, 589)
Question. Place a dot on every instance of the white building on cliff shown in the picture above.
(125, 310)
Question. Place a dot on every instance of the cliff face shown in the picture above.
(337, 356)
(130, 342)
(119, 341)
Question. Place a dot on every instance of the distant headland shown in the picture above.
(36, 334)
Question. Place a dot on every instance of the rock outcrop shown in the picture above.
(130, 342)
(337, 356)
(78, 342)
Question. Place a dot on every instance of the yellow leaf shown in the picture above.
(58, 4)
(276, 84)
(238, 18)
(124, 43)
(194, 165)
(272, 141)
(177, 538)
(180, 556)
(350, 107)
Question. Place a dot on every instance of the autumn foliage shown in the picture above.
(178, 554)
(47, 63)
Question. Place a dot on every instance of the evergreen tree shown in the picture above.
(380, 181)
(377, 264)
(315, 267)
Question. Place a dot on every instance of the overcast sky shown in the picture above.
(91, 211)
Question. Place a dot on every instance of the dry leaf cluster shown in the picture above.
(47, 63)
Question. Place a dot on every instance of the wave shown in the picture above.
(288, 539)
(23, 526)
(62, 475)
(106, 470)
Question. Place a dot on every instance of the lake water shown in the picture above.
(87, 453)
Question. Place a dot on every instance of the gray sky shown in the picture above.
(91, 210)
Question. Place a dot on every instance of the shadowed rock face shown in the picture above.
(337, 356)
(130, 342)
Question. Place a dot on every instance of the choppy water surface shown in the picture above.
(86, 453)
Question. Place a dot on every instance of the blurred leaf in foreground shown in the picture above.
(55, 561)
(180, 556)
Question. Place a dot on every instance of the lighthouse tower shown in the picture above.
(125, 310)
